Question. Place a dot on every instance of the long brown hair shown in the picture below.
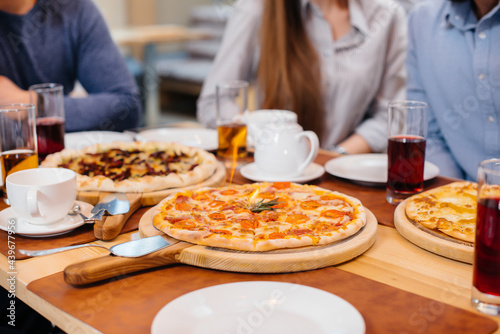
(289, 69)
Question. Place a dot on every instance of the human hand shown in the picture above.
(355, 144)
(11, 93)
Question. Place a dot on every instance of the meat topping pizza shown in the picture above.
(119, 164)
(260, 216)
(135, 167)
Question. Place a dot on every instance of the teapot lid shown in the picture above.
(284, 127)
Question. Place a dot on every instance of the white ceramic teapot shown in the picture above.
(285, 150)
(257, 120)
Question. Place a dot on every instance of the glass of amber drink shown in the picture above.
(18, 141)
(231, 109)
(486, 268)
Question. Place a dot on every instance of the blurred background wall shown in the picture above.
(120, 13)
(180, 67)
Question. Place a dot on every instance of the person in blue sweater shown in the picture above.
(62, 41)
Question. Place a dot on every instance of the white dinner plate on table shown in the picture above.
(27, 229)
(79, 140)
(258, 307)
(312, 171)
(196, 137)
(369, 168)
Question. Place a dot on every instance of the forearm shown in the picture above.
(235, 57)
(355, 144)
(372, 132)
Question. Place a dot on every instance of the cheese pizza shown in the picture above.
(450, 209)
(260, 216)
(135, 166)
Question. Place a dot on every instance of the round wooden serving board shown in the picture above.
(432, 241)
(278, 261)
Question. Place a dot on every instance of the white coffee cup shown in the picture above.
(259, 119)
(286, 150)
(42, 196)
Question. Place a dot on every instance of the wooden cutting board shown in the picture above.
(432, 241)
(111, 226)
(278, 261)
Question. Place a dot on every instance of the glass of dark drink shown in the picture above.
(486, 268)
(49, 101)
(407, 129)
(18, 144)
(231, 109)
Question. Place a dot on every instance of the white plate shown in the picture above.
(370, 168)
(258, 307)
(79, 140)
(199, 137)
(25, 228)
(312, 171)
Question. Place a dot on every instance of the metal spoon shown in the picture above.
(76, 210)
(134, 248)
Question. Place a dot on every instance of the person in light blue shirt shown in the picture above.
(453, 64)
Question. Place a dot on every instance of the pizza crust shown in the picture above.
(450, 209)
(166, 216)
(207, 164)
(304, 241)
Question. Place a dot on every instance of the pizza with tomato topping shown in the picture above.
(260, 216)
(135, 166)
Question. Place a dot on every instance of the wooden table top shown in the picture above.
(392, 260)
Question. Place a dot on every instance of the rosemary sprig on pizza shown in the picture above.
(262, 205)
(136, 166)
(260, 216)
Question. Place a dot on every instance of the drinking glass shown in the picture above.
(50, 122)
(231, 109)
(18, 142)
(407, 129)
(486, 268)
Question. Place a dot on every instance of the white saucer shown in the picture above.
(259, 307)
(23, 227)
(251, 172)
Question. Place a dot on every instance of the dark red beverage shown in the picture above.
(487, 247)
(50, 133)
(406, 164)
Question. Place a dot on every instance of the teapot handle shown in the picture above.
(313, 152)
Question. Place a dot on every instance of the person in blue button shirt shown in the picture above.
(453, 64)
(61, 41)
